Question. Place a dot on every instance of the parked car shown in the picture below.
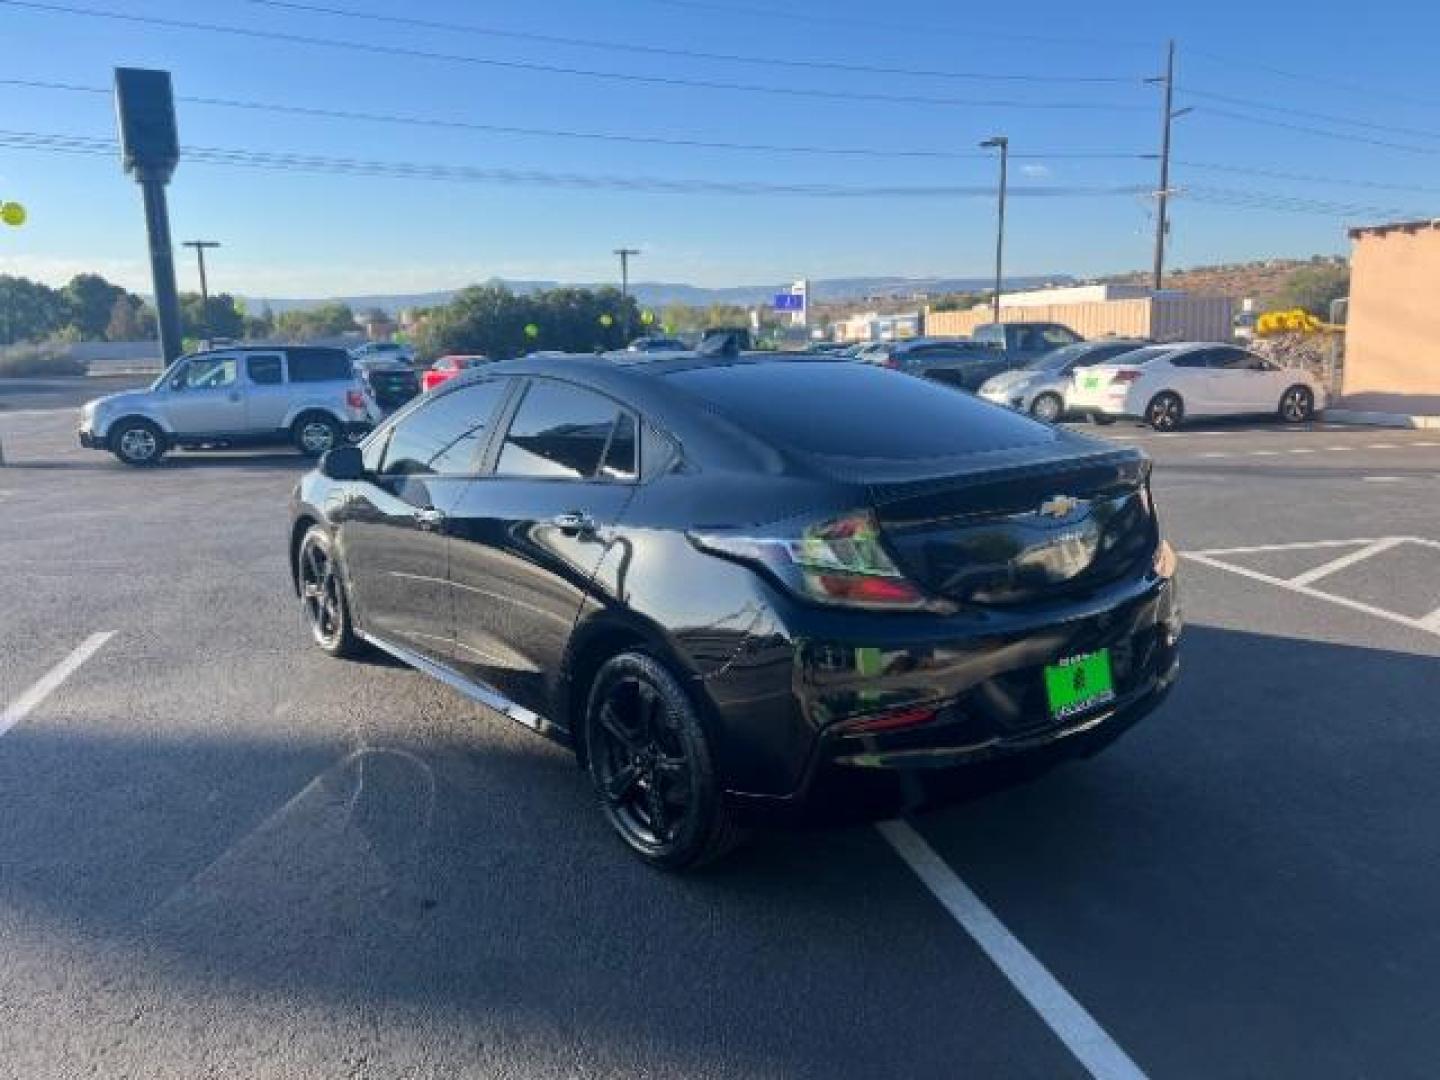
(388, 369)
(1042, 386)
(390, 352)
(1165, 385)
(953, 361)
(729, 584)
(657, 343)
(447, 367)
(309, 397)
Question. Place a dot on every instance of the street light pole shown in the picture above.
(1001, 143)
(200, 246)
(625, 254)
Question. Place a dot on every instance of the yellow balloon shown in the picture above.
(647, 317)
(606, 319)
(12, 213)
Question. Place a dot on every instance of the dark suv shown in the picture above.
(729, 584)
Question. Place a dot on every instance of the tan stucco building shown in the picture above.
(1392, 337)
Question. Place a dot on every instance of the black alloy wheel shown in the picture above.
(1164, 412)
(652, 768)
(322, 595)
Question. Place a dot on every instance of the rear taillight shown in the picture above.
(355, 399)
(1122, 377)
(841, 561)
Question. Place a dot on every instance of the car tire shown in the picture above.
(1297, 405)
(653, 768)
(314, 433)
(1165, 411)
(138, 442)
(322, 596)
(1047, 407)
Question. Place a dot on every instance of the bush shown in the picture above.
(30, 361)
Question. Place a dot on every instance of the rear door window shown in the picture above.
(265, 369)
(1198, 359)
(562, 432)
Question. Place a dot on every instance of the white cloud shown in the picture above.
(1036, 172)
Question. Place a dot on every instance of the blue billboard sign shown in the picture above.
(786, 301)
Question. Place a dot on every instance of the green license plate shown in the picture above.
(1078, 683)
(1092, 382)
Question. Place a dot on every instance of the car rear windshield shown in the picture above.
(320, 365)
(848, 410)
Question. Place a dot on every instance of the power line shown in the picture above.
(1330, 118)
(413, 120)
(391, 51)
(970, 32)
(632, 48)
(1340, 136)
(296, 162)
(1307, 178)
(1263, 200)
(1363, 89)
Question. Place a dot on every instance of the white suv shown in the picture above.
(308, 397)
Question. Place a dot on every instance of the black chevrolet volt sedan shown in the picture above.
(728, 583)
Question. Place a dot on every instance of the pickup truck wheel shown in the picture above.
(1047, 407)
(315, 433)
(137, 442)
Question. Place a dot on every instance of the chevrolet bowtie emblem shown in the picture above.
(1059, 506)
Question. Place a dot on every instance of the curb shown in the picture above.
(1382, 419)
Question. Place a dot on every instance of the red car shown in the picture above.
(447, 367)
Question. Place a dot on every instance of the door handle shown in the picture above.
(430, 518)
(574, 523)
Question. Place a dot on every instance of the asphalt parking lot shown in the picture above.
(224, 854)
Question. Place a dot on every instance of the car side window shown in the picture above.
(320, 365)
(1056, 337)
(559, 432)
(207, 373)
(264, 370)
(1231, 359)
(1198, 359)
(620, 456)
(444, 437)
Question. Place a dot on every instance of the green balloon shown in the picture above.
(531, 330)
(12, 213)
(607, 319)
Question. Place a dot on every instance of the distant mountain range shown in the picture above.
(658, 293)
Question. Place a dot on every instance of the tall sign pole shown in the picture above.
(150, 150)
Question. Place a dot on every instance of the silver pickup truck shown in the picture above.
(305, 396)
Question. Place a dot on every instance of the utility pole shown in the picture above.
(200, 246)
(1162, 195)
(625, 254)
(1001, 143)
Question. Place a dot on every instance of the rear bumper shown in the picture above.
(987, 690)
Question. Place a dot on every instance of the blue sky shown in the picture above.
(292, 234)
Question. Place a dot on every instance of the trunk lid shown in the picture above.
(1031, 526)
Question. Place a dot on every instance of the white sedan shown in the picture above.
(1167, 384)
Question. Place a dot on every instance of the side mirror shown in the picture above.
(343, 463)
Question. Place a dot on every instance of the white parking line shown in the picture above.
(1065, 1016)
(1334, 565)
(22, 706)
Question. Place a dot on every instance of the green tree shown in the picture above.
(221, 319)
(29, 311)
(492, 320)
(1313, 287)
(89, 302)
(125, 322)
(327, 320)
